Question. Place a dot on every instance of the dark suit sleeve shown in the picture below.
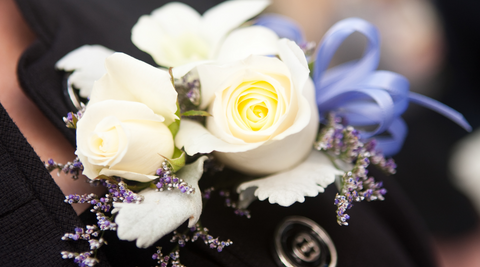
(33, 215)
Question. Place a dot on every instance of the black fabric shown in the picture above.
(387, 233)
(33, 215)
(424, 160)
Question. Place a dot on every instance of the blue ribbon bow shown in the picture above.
(366, 97)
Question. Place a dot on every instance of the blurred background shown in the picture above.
(435, 44)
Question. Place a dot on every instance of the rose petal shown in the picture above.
(111, 129)
(195, 138)
(283, 151)
(254, 40)
(212, 76)
(132, 176)
(143, 135)
(130, 79)
(307, 114)
(180, 71)
(224, 17)
(161, 212)
(285, 188)
(89, 170)
(88, 65)
(227, 126)
(295, 59)
(215, 77)
(123, 110)
(95, 114)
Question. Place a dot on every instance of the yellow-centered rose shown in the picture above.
(264, 118)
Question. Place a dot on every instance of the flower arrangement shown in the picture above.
(235, 92)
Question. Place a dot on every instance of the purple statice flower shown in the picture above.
(117, 192)
(72, 118)
(173, 258)
(343, 142)
(82, 259)
(213, 243)
(207, 193)
(73, 168)
(105, 223)
(234, 204)
(167, 180)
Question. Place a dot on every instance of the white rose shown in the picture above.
(122, 138)
(130, 79)
(123, 131)
(176, 34)
(264, 116)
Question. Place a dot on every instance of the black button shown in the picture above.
(300, 242)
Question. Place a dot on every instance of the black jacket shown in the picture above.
(33, 216)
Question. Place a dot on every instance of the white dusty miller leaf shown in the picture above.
(285, 188)
(88, 65)
(161, 212)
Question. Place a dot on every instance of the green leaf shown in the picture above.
(311, 67)
(108, 178)
(178, 159)
(73, 124)
(196, 113)
(172, 79)
(137, 187)
(175, 126)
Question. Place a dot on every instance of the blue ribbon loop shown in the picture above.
(367, 98)
(371, 100)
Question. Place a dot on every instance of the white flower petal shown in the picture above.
(195, 138)
(148, 36)
(295, 59)
(285, 188)
(224, 17)
(161, 212)
(124, 110)
(88, 65)
(145, 134)
(182, 70)
(254, 40)
(212, 76)
(89, 170)
(215, 77)
(132, 176)
(282, 152)
(177, 18)
(169, 34)
(133, 80)
(117, 110)
(307, 114)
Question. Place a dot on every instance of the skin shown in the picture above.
(46, 140)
